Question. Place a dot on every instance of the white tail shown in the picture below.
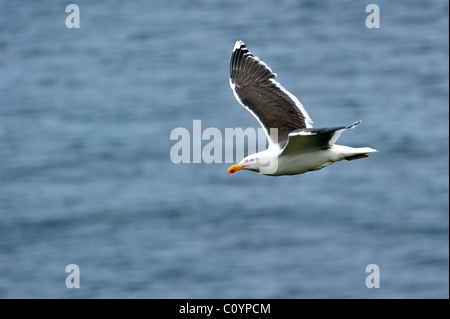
(352, 153)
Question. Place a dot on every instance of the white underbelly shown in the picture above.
(302, 163)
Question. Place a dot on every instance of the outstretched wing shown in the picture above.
(312, 139)
(254, 86)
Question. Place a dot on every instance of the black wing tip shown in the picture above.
(240, 51)
(244, 60)
(239, 45)
(353, 125)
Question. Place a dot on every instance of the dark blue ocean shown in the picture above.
(86, 176)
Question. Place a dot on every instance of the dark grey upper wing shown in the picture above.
(255, 87)
(312, 139)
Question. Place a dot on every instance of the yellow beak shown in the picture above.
(235, 168)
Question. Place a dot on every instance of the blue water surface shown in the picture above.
(86, 176)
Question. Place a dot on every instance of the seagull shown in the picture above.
(295, 147)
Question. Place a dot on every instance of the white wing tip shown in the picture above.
(238, 44)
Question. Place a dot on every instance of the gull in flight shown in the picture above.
(295, 147)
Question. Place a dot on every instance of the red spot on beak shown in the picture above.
(235, 168)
